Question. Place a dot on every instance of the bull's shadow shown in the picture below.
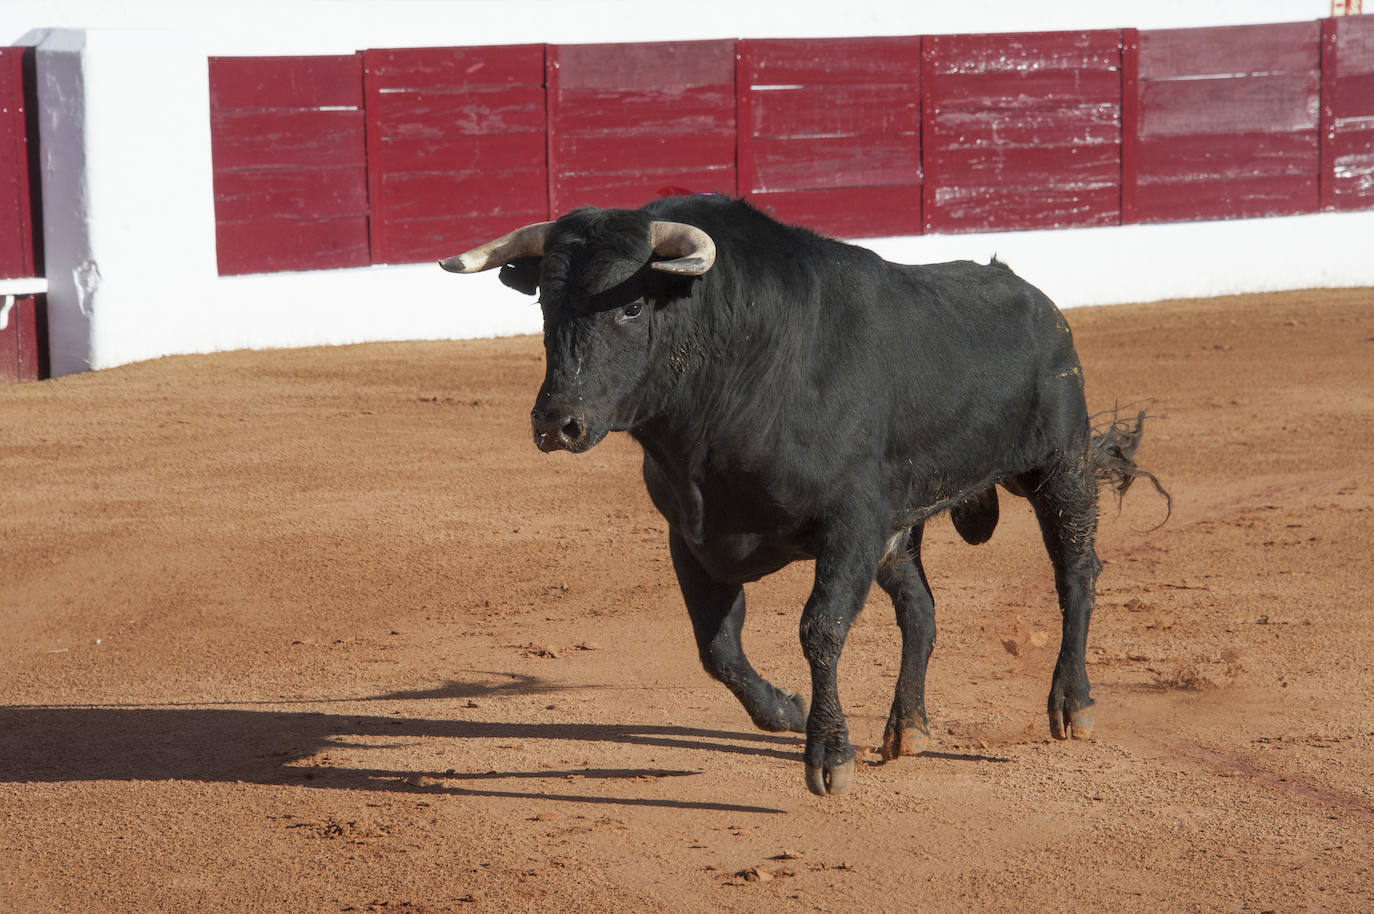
(239, 742)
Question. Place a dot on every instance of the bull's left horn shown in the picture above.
(692, 250)
(523, 242)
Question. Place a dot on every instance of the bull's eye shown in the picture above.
(630, 312)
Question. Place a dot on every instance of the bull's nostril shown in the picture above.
(575, 429)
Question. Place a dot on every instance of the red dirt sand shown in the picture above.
(321, 630)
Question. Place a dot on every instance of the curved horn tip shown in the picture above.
(454, 264)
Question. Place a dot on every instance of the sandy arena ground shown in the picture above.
(320, 630)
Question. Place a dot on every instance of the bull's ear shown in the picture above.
(522, 274)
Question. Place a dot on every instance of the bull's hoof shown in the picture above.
(829, 780)
(787, 714)
(911, 739)
(1076, 723)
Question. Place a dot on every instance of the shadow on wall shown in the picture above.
(55, 744)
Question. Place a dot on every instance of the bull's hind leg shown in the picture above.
(904, 579)
(1065, 502)
(717, 612)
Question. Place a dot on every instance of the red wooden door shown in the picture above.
(1022, 131)
(628, 122)
(830, 132)
(23, 347)
(455, 147)
(290, 165)
(1228, 122)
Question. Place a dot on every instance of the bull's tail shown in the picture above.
(1114, 443)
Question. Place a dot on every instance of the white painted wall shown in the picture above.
(129, 214)
(251, 27)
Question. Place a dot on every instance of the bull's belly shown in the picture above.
(739, 558)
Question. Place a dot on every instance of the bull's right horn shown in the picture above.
(523, 242)
(692, 250)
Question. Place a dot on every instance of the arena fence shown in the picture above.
(23, 345)
(395, 156)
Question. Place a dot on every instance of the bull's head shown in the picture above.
(604, 278)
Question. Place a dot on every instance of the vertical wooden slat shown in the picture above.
(1130, 122)
(745, 164)
(930, 139)
(1326, 183)
(553, 93)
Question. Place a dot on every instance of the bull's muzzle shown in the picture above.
(558, 430)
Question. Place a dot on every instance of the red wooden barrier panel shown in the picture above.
(631, 121)
(1022, 131)
(456, 150)
(23, 349)
(830, 132)
(1227, 122)
(1348, 113)
(289, 163)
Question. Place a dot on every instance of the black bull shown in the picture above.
(801, 398)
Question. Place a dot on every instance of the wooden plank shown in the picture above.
(835, 111)
(1056, 165)
(930, 134)
(617, 67)
(607, 152)
(1068, 126)
(645, 110)
(813, 163)
(477, 111)
(847, 212)
(247, 83)
(460, 68)
(1284, 101)
(964, 208)
(1352, 169)
(831, 61)
(1224, 156)
(419, 195)
(1014, 52)
(1031, 87)
(746, 156)
(494, 152)
(1130, 122)
(632, 189)
(270, 244)
(1326, 183)
(310, 193)
(1352, 95)
(1228, 51)
(419, 240)
(289, 138)
(1241, 198)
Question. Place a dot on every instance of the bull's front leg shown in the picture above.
(717, 611)
(843, 578)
